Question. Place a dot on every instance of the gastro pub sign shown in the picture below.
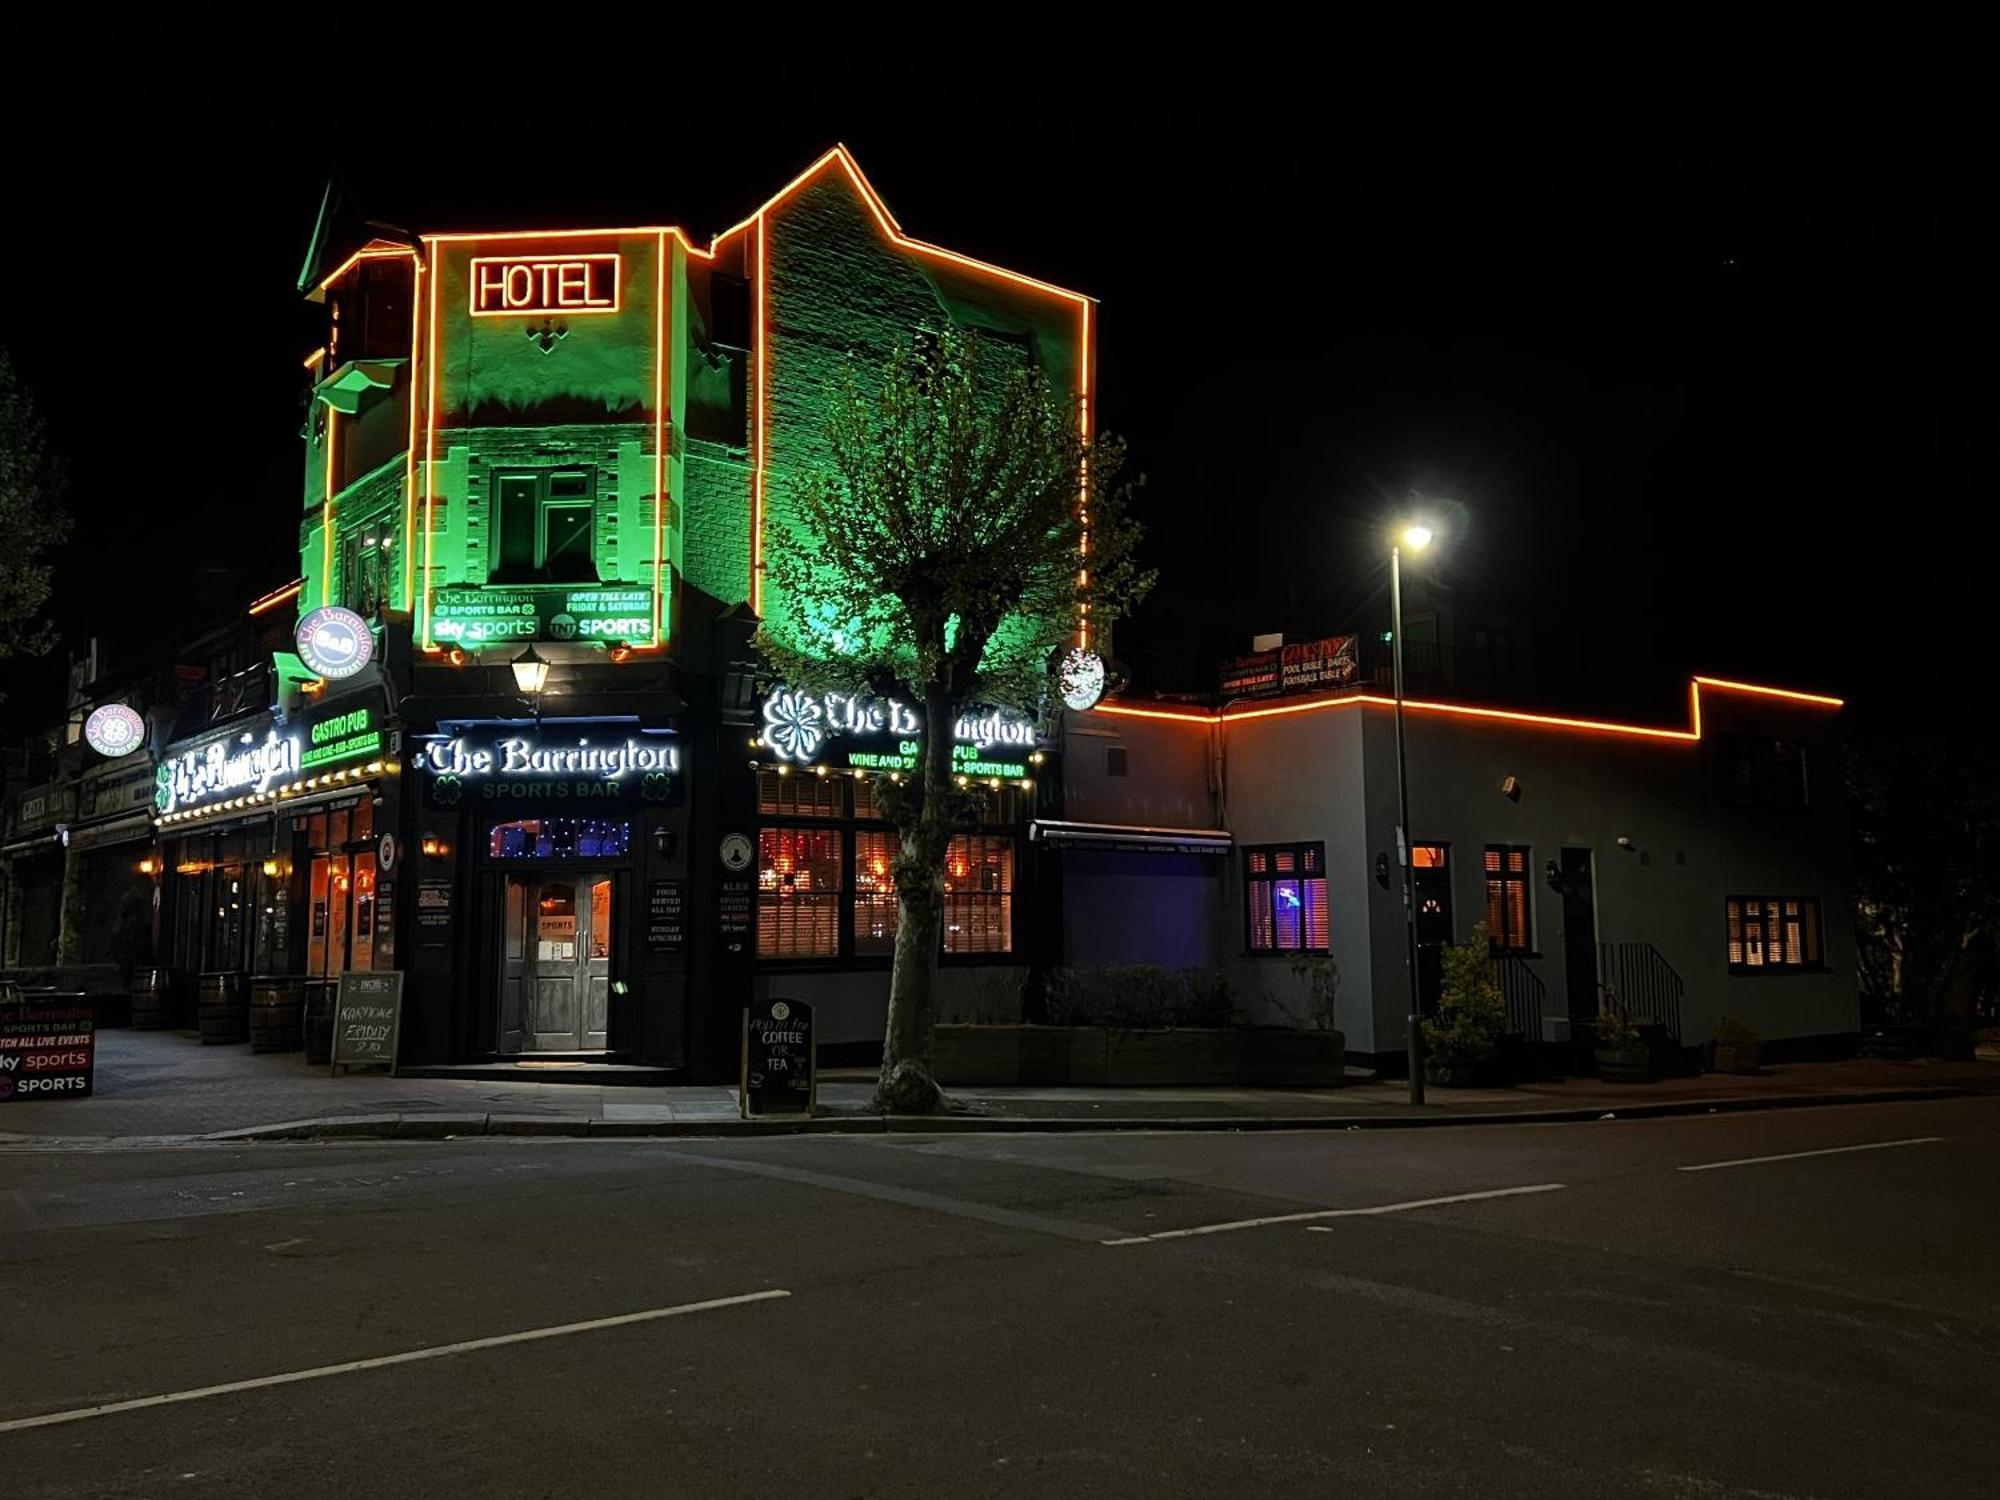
(866, 733)
(264, 755)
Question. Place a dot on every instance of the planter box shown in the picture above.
(1628, 1063)
(1738, 1057)
(1101, 1056)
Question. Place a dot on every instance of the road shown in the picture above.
(1019, 1314)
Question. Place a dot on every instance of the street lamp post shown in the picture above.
(1416, 538)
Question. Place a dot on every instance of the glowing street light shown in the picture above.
(531, 672)
(1415, 536)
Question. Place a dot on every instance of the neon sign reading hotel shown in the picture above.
(533, 285)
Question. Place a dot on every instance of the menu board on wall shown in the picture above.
(735, 909)
(666, 916)
(434, 912)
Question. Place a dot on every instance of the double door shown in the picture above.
(555, 986)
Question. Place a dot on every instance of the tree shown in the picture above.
(32, 520)
(942, 554)
(1927, 874)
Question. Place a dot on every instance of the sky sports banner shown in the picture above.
(1302, 667)
(48, 1049)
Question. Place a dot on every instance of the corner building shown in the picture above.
(544, 466)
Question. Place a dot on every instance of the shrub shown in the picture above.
(1139, 997)
(1472, 1013)
(1613, 1027)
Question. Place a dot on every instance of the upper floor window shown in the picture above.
(1773, 933)
(1507, 925)
(1284, 891)
(364, 568)
(1758, 772)
(543, 524)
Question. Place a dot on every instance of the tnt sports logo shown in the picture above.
(562, 627)
(335, 642)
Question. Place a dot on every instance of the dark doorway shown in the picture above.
(1430, 888)
(1579, 917)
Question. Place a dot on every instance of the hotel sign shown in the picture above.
(866, 733)
(481, 616)
(544, 285)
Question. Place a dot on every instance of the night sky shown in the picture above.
(1708, 369)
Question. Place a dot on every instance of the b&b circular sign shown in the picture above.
(335, 642)
(114, 730)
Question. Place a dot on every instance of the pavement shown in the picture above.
(165, 1086)
(1760, 1306)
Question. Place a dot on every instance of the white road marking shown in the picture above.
(1758, 1161)
(438, 1351)
(1332, 1213)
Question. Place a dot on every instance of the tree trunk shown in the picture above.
(907, 1084)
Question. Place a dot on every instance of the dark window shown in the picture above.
(544, 525)
(1773, 934)
(1507, 926)
(1761, 773)
(1116, 762)
(1284, 898)
(364, 568)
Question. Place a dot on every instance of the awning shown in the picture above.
(1131, 838)
(35, 845)
(125, 830)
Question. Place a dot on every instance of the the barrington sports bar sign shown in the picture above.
(576, 761)
(866, 733)
(480, 616)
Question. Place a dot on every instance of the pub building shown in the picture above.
(543, 466)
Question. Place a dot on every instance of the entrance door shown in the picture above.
(1579, 909)
(555, 988)
(1430, 887)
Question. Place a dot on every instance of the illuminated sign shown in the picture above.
(483, 616)
(1080, 678)
(240, 764)
(114, 730)
(541, 764)
(538, 285)
(335, 642)
(341, 735)
(886, 734)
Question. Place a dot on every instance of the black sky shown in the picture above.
(1706, 357)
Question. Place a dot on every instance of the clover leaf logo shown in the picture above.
(794, 724)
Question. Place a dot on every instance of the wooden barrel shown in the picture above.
(222, 1008)
(319, 1020)
(152, 999)
(277, 1002)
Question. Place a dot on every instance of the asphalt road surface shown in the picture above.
(1690, 1307)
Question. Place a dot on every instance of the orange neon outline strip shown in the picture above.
(1083, 482)
(326, 513)
(410, 450)
(659, 440)
(276, 597)
(642, 231)
(887, 221)
(1467, 710)
(314, 359)
(430, 456)
(757, 468)
(588, 310)
(375, 252)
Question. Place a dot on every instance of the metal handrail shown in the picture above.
(1641, 983)
(1525, 994)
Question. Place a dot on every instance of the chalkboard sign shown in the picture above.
(780, 1059)
(368, 1019)
(48, 1047)
(733, 908)
(666, 922)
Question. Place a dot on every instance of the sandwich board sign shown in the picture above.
(367, 1019)
(780, 1059)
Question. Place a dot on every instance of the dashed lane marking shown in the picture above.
(1333, 1213)
(411, 1356)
